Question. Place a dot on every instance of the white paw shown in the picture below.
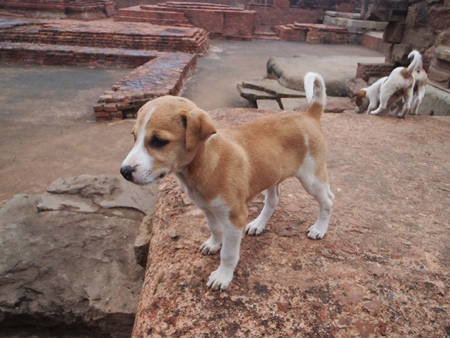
(254, 228)
(210, 247)
(315, 232)
(220, 279)
(374, 112)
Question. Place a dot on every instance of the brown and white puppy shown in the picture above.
(367, 99)
(221, 170)
(399, 86)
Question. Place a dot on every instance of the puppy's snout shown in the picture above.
(127, 172)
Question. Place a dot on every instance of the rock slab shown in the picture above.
(68, 263)
(380, 271)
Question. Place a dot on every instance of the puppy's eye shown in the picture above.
(157, 142)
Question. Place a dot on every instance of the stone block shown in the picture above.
(442, 53)
(393, 33)
(400, 53)
(440, 76)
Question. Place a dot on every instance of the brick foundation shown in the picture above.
(163, 75)
(268, 17)
(50, 55)
(108, 35)
(220, 21)
(317, 33)
(376, 70)
(78, 9)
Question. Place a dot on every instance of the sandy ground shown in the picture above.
(47, 128)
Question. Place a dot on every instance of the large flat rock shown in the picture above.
(382, 269)
(289, 71)
(70, 269)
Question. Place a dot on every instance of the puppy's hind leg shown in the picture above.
(271, 201)
(407, 98)
(320, 190)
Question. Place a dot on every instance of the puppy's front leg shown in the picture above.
(229, 256)
(271, 201)
(213, 244)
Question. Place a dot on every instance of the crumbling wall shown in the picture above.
(424, 26)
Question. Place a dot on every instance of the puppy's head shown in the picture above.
(361, 101)
(168, 132)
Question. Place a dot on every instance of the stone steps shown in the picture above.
(317, 33)
(265, 35)
(157, 16)
(352, 22)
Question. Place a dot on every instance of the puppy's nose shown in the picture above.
(127, 172)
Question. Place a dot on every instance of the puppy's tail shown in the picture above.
(416, 63)
(315, 94)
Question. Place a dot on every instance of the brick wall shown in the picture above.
(268, 17)
(25, 53)
(78, 9)
(110, 35)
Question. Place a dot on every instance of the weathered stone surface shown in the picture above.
(436, 101)
(21, 206)
(290, 72)
(400, 53)
(381, 269)
(72, 270)
(87, 193)
(334, 104)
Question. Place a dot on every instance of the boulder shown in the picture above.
(290, 72)
(71, 267)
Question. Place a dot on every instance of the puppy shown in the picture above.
(367, 99)
(400, 86)
(222, 170)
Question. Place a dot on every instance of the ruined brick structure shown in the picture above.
(76, 9)
(422, 25)
(220, 21)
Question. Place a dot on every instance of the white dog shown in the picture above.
(400, 86)
(367, 99)
(221, 170)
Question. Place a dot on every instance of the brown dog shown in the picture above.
(221, 170)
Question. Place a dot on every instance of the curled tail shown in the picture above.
(416, 63)
(315, 94)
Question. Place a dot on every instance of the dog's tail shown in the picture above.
(416, 63)
(315, 93)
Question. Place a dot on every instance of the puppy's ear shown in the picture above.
(199, 127)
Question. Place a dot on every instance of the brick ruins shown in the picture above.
(75, 9)
(187, 26)
(422, 25)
